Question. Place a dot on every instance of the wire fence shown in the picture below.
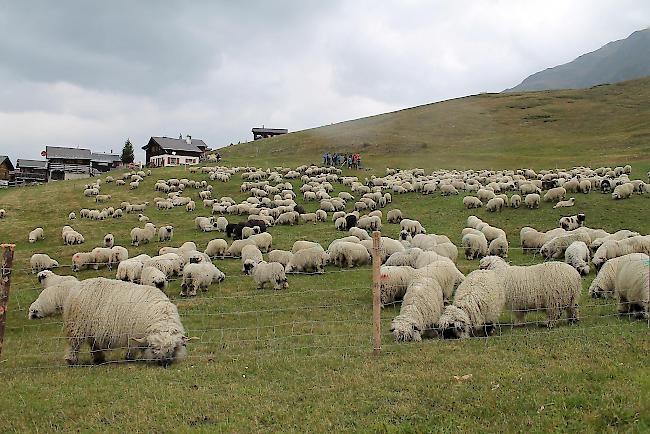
(328, 314)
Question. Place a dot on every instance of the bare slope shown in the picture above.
(602, 125)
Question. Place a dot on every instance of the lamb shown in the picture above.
(350, 254)
(494, 205)
(270, 272)
(471, 202)
(205, 224)
(216, 248)
(555, 194)
(47, 278)
(140, 235)
(109, 240)
(250, 256)
(281, 256)
(199, 277)
(165, 233)
(577, 255)
(406, 258)
(421, 309)
(36, 234)
(129, 270)
(632, 288)
(565, 203)
(603, 283)
(555, 248)
(40, 261)
(52, 299)
(613, 249)
(552, 286)
(119, 314)
(308, 260)
(478, 303)
(532, 200)
(515, 201)
(152, 276)
(572, 222)
(394, 216)
(475, 245)
(498, 247)
(362, 234)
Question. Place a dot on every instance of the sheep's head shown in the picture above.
(454, 323)
(163, 348)
(249, 265)
(405, 330)
(596, 291)
(492, 263)
(581, 217)
(584, 270)
(36, 311)
(43, 275)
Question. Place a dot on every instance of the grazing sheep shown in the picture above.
(572, 222)
(36, 234)
(234, 251)
(406, 258)
(616, 236)
(270, 272)
(491, 232)
(3, 213)
(531, 239)
(603, 283)
(221, 224)
(82, 259)
(152, 276)
(565, 203)
(448, 190)
(117, 314)
(281, 256)
(40, 261)
(340, 224)
(52, 298)
(555, 248)
(613, 249)
(394, 216)
(413, 227)
(263, 241)
(485, 195)
(143, 236)
(216, 248)
(555, 194)
(321, 215)
(362, 234)
(308, 260)
(72, 216)
(205, 224)
(301, 245)
(129, 270)
(109, 240)
(532, 201)
(478, 303)
(309, 217)
(348, 254)
(623, 191)
(631, 288)
(498, 247)
(47, 278)
(515, 201)
(165, 233)
(471, 202)
(475, 245)
(421, 309)
(577, 255)
(250, 256)
(199, 276)
(552, 287)
(494, 205)
(387, 247)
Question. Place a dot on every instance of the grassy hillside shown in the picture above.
(300, 359)
(602, 125)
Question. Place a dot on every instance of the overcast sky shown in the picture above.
(92, 73)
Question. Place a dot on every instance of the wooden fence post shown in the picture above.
(376, 288)
(5, 285)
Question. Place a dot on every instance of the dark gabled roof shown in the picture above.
(167, 143)
(69, 153)
(31, 164)
(4, 158)
(105, 158)
(270, 130)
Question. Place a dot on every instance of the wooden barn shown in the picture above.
(6, 168)
(30, 171)
(105, 162)
(68, 163)
(165, 151)
(264, 133)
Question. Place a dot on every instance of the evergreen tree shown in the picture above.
(127, 153)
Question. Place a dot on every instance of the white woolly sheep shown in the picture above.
(216, 248)
(616, 236)
(515, 201)
(603, 283)
(631, 288)
(362, 234)
(623, 191)
(348, 254)
(36, 234)
(471, 202)
(532, 201)
(48, 278)
(281, 256)
(394, 216)
(308, 260)
(72, 216)
(555, 194)
(341, 224)
(234, 251)
(221, 224)
(321, 215)
(428, 257)
(387, 246)
(52, 298)
(421, 309)
(270, 272)
(263, 241)
(498, 247)
(413, 227)
(109, 240)
(613, 249)
(478, 303)
(565, 203)
(143, 235)
(199, 277)
(553, 287)
(494, 205)
(152, 276)
(406, 258)
(165, 233)
(3, 213)
(40, 261)
(136, 317)
(205, 224)
(250, 256)
(82, 259)
(129, 270)
(301, 245)
(309, 217)
(577, 255)
(475, 245)
(555, 248)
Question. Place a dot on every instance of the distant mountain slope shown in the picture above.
(617, 61)
(601, 125)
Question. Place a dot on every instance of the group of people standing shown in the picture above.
(353, 161)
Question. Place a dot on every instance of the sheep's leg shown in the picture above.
(519, 318)
(72, 352)
(97, 354)
(572, 314)
(552, 316)
(623, 306)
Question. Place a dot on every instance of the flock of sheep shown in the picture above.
(419, 268)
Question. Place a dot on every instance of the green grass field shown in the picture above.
(301, 359)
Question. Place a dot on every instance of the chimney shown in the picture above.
(188, 139)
